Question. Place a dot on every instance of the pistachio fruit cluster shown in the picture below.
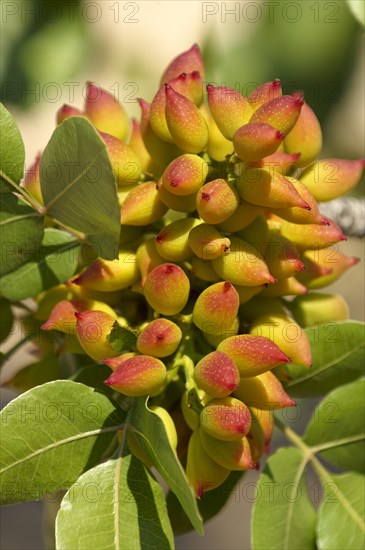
(221, 240)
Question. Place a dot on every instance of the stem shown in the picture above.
(40, 210)
(308, 452)
(24, 193)
(26, 308)
(122, 443)
(193, 391)
(6, 356)
(78, 234)
(189, 372)
(172, 374)
(185, 319)
(293, 437)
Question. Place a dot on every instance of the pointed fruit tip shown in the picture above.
(323, 220)
(143, 104)
(90, 89)
(48, 325)
(298, 97)
(66, 108)
(107, 361)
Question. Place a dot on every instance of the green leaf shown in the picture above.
(209, 506)
(117, 505)
(338, 358)
(283, 516)
(337, 428)
(12, 155)
(7, 319)
(340, 521)
(50, 435)
(55, 262)
(78, 184)
(122, 338)
(357, 9)
(35, 374)
(21, 232)
(152, 437)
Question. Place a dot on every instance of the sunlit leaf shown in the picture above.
(117, 505)
(78, 184)
(12, 155)
(338, 358)
(50, 435)
(341, 515)
(283, 516)
(337, 428)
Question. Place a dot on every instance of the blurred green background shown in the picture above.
(50, 48)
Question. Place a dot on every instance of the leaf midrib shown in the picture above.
(325, 476)
(118, 473)
(20, 217)
(59, 443)
(348, 507)
(337, 443)
(65, 189)
(296, 482)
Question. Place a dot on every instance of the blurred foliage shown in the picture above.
(44, 43)
(357, 8)
(310, 46)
